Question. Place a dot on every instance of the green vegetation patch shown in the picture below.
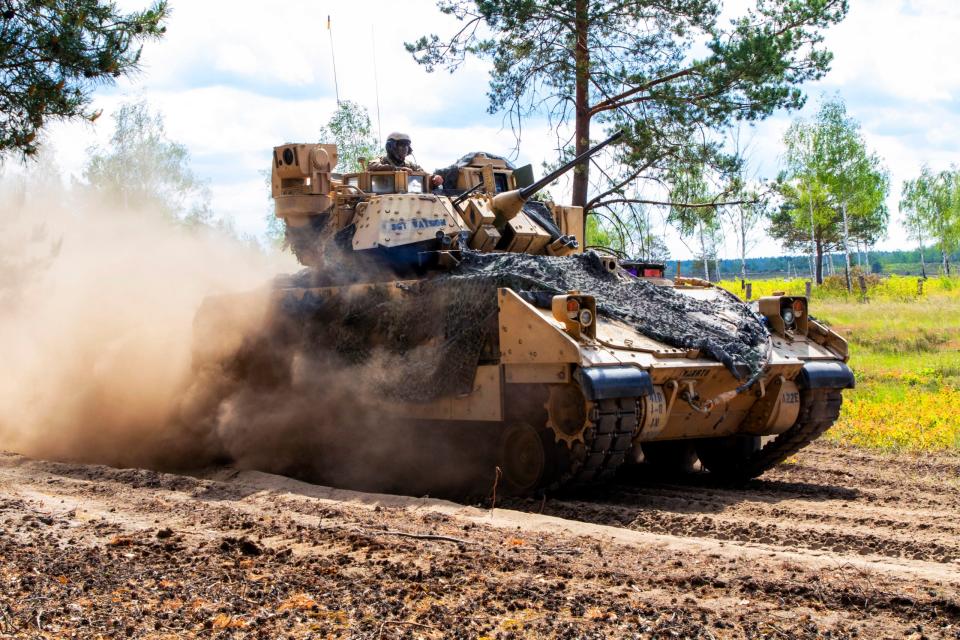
(906, 356)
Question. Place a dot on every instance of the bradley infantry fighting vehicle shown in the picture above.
(483, 313)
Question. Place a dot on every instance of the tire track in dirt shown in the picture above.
(829, 499)
(240, 554)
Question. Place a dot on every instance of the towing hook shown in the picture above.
(709, 405)
(690, 396)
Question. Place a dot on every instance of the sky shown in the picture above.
(233, 79)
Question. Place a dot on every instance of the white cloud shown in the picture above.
(898, 49)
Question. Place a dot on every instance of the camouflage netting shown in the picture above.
(427, 339)
(415, 344)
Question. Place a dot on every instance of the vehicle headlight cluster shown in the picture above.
(786, 314)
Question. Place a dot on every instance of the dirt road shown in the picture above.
(837, 544)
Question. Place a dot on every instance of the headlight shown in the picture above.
(577, 312)
(787, 315)
(586, 318)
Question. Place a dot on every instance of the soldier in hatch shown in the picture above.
(398, 148)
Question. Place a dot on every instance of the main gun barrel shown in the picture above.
(508, 204)
(528, 191)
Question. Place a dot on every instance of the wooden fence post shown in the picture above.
(808, 286)
(862, 279)
(919, 287)
(749, 290)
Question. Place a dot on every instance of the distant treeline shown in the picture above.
(882, 262)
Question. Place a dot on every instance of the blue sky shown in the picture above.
(233, 79)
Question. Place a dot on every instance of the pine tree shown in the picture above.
(55, 52)
(631, 65)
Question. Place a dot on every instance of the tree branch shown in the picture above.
(679, 205)
(596, 199)
(614, 102)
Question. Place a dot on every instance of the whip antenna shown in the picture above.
(336, 87)
(376, 84)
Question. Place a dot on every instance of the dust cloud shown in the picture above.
(309, 396)
(97, 303)
(132, 341)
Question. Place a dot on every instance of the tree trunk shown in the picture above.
(814, 248)
(923, 264)
(706, 260)
(582, 123)
(846, 246)
(743, 246)
(818, 267)
(946, 259)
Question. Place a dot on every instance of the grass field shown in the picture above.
(905, 352)
(886, 289)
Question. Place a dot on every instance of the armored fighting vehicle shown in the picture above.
(488, 316)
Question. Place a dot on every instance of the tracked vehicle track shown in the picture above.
(819, 409)
(607, 440)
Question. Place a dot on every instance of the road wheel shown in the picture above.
(523, 458)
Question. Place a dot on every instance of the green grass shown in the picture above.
(906, 356)
(888, 288)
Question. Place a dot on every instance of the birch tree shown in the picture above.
(350, 129)
(932, 206)
(142, 169)
(744, 219)
(833, 188)
(696, 217)
(855, 178)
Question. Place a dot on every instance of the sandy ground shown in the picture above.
(838, 543)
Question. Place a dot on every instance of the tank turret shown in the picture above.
(393, 216)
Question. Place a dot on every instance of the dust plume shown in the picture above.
(308, 391)
(96, 310)
(130, 340)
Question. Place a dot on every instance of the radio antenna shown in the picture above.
(376, 85)
(336, 86)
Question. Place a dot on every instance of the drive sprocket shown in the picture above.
(606, 441)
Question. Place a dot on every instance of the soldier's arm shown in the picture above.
(380, 164)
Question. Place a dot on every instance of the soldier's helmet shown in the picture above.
(393, 141)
